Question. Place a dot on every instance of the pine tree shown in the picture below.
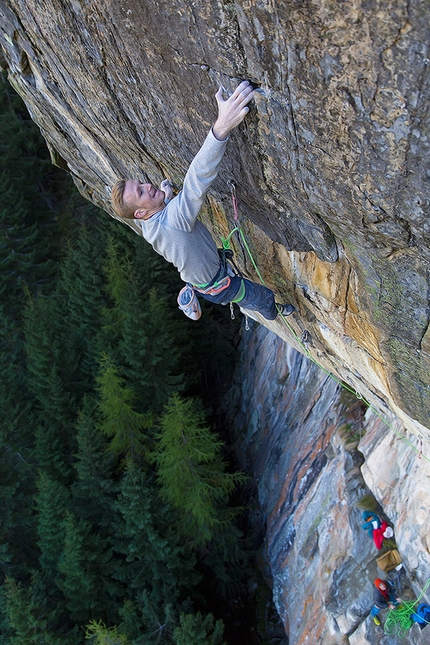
(81, 286)
(131, 620)
(52, 503)
(198, 630)
(98, 634)
(140, 332)
(158, 571)
(25, 622)
(95, 488)
(51, 377)
(24, 628)
(86, 569)
(17, 547)
(120, 422)
(24, 251)
(191, 471)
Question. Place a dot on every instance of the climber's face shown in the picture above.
(382, 586)
(144, 199)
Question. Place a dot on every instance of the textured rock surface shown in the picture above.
(332, 163)
(332, 169)
(297, 434)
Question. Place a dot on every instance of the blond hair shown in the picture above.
(117, 198)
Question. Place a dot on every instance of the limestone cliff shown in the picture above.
(332, 164)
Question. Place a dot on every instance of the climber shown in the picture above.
(384, 596)
(171, 226)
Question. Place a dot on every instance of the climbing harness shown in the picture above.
(216, 288)
(187, 299)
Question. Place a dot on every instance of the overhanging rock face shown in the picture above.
(332, 165)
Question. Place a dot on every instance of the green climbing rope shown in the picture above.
(226, 241)
(399, 619)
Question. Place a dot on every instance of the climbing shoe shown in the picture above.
(376, 620)
(285, 310)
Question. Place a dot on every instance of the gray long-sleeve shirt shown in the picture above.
(176, 233)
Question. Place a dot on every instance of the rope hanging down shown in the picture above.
(301, 343)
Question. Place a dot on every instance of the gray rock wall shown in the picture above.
(332, 172)
(315, 453)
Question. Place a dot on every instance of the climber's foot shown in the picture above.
(285, 310)
(376, 620)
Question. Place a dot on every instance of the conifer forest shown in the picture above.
(120, 515)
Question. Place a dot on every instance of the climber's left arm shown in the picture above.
(205, 165)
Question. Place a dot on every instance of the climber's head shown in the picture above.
(117, 198)
(133, 199)
(382, 586)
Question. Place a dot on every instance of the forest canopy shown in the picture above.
(116, 520)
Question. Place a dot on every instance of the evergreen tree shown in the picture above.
(140, 332)
(51, 376)
(95, 488)
(120, 422)
(86, 569)
(191, 471)
(131, 620)
(24, 621)
(81, 287)
(158, 570)
(17, 548)
(23, 626)
(52, 503)
(24, 252)
(198, 630)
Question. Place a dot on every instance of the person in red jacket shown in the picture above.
(380, 534)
